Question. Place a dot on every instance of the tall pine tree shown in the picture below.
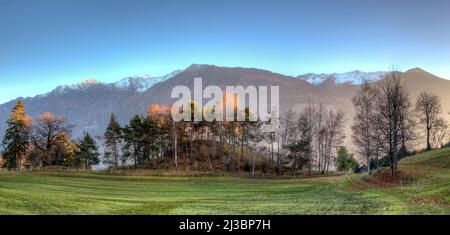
(113, 141)
(88, 151)
(16, 139)
(132, 134)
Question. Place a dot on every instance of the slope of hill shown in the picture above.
(417, 80)
(421, 187)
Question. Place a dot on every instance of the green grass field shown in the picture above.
(423, 188)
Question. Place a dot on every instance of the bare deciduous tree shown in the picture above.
(363, 131)
(392, 117)
(439, 133)
(285, 133)
(428, 107)
(333, 136)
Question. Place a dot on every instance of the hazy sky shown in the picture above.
(46, 43)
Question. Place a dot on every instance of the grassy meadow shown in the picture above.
(423, 187)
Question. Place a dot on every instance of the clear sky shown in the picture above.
(45, 43)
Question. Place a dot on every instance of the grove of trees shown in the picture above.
(44, 142)
(156, 141)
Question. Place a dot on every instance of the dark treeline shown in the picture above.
(386, 126)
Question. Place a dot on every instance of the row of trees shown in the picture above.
(386, 121)
(304, 140)
(44, 142)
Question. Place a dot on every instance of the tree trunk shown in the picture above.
(175, 149)
(208, 152)
(253, 163)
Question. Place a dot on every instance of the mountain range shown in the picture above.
(88, 105)
(353, 77)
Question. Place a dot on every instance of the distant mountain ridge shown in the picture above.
(135, 83)
(353, 77)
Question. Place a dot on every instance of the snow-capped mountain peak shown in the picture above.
(142, 83)
(77, 86)
(353, 77)
(135, 83)
(85, 83)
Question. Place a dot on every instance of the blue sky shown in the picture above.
(45, 43)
